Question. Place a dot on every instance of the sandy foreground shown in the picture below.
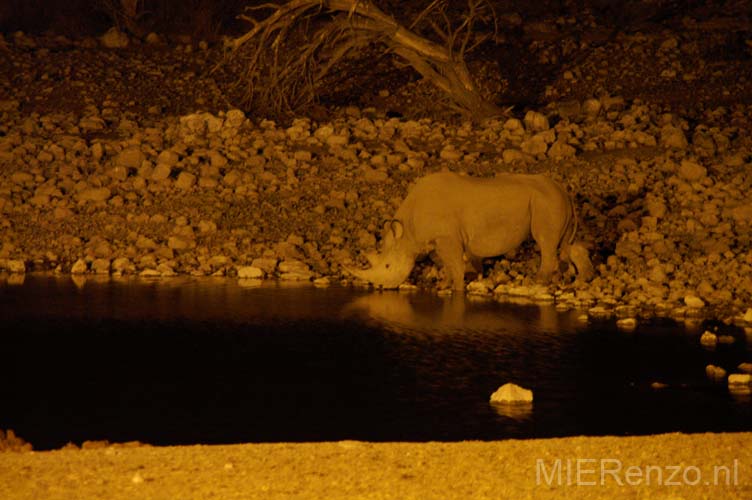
(667, 466)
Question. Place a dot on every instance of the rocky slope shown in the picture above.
(97, 176)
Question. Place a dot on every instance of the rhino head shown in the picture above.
(393, 264)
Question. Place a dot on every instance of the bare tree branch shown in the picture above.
(284, 66)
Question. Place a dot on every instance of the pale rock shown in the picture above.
(560, 150)
(15, 266)
(479, 287)
(514, 125)
(694, 302)
(101, 266)
(94, 194)
(131, 157)
(512, 155)
(268, 265)
(691, 171)
(747, 318)
(534, 146)
(709, 339)
(165, 270)
(626, 323)
(114, 39)
(168, 157)
(745, 367)
(161, 172)
(449, 153)
(740, 382)
(185, 180)
(79, 267)
(673, 137)
(234, 118)
(180, 243)
(250, 272)
(715, 373)
(123, 265)
(591, 107)
(512, 393)
(217, 160)
(153, 39)
(535, 121)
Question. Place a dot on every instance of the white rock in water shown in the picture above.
(250, 272)
(694, 302)
(114, 39)
(626, 323)
(715, 373)
(512, 393)
(709, 339)
(740, 382)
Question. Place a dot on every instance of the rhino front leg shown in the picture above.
(449, 251)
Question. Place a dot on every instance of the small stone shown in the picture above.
(715, 373)
(745, 367)
(250, 272)
(79, 267)
(123, 265)
(131, 157)
(691, 171)
(185, 180)
(709, 339)
(535, 121)
(740, 382)
(673, 137)
(94, 194)
(15, 266)
(101, 266)
(626, 323)
(114, 39)
(512, 393)
(161, 172)
(591, 107)
(694, 302)
(726, 339)
(267, 265)
(747, 318)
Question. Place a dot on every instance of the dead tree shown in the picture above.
(283, 72)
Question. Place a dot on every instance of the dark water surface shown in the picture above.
(209, 361)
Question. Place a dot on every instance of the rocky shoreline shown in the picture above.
(663, 198)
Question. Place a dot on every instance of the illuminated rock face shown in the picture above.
(512, 393)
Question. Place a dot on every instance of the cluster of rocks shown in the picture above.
(663, 199)
(10, 442)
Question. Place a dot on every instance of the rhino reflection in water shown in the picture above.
(457, 215)
(411, 313)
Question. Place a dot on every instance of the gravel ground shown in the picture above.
(681, 467)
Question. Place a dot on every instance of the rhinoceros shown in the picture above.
(460, 216)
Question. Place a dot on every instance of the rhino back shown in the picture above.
(487, 213)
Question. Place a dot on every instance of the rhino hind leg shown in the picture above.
(549, 264)
(578, 255)
(450, 252)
